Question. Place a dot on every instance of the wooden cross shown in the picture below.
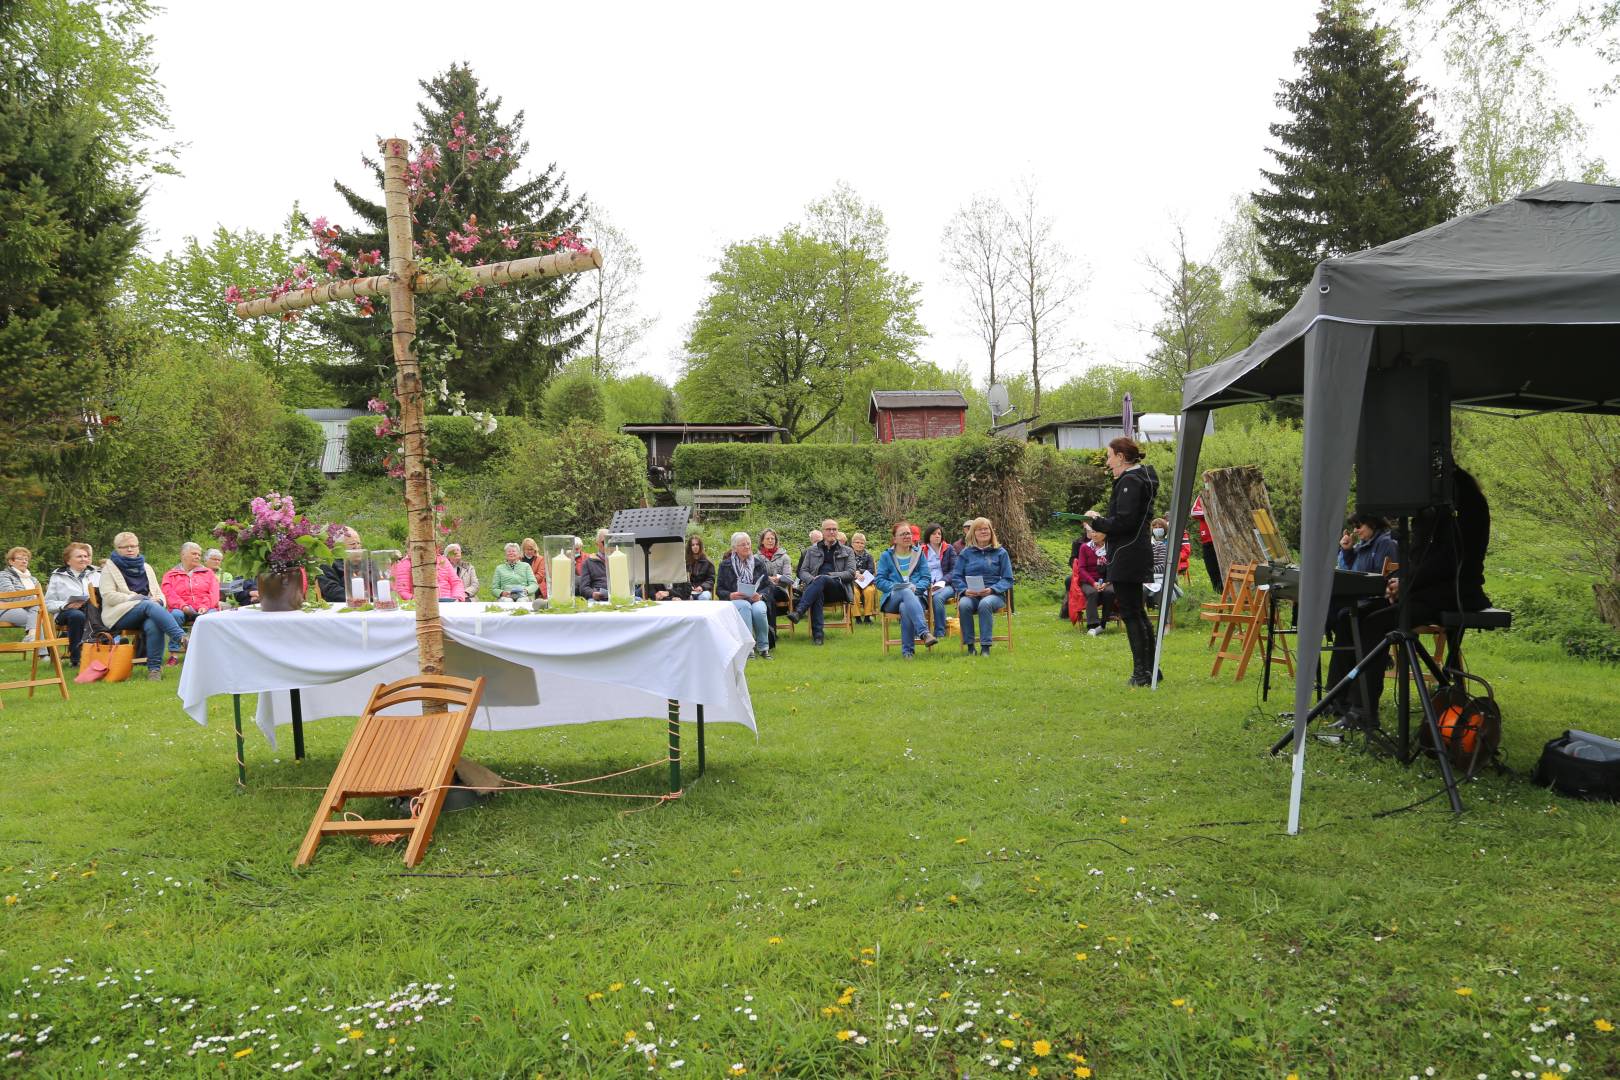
(400, 285)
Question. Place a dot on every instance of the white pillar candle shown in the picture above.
(618, 576)
(357, 586)
(384, 589)
(562, 578)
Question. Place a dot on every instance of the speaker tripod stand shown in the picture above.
(1417, 661)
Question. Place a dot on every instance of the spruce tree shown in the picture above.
(1360, 163)
(469, 203)
(76, 99)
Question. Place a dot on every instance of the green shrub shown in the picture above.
(1554, 607)
(301, 443)
(571, 482)
(1068, 481)
(573, 394)
(454, 442)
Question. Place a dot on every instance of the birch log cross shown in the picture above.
(400, 285)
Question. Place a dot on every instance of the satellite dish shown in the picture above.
(998, 401)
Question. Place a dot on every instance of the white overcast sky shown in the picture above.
(696, 125)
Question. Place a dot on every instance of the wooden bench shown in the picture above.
(720, 500)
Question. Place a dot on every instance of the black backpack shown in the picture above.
(1581, 765)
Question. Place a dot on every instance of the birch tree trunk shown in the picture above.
(412, 412)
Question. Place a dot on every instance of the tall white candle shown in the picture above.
(562, 578)
(618, 576)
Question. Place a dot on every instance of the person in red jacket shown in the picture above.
(1206, 540)
(1088, 589)
(190, 589)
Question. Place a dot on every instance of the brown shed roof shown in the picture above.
(915, 399)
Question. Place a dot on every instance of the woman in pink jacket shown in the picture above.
(449, 584)
(190, 589)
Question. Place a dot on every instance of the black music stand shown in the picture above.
(652, 525)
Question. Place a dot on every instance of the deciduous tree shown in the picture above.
(1045, 290)
(617, 326)
(787, 321)
(977, 247)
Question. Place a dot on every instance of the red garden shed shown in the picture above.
(918, 414)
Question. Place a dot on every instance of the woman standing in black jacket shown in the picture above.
(1130, 549)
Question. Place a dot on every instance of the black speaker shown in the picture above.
(1403, 453)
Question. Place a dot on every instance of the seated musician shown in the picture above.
(1367, 544)
(1447, 574)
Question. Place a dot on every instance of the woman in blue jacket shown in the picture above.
(986, 559)
(902, 578)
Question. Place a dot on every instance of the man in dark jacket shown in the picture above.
(592, 580)
(826, 573)
(330, 580)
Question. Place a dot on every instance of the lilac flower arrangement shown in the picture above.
(277, 539)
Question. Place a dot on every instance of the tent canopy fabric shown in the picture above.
(1521, 300)
(1521, 304)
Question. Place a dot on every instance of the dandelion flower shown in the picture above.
(952, 898)
(945, 995)
(1603, 1025)
(773, 940)
(845, 1035)
(739, 1069)
(11, 898)
(868, 952)
(1042, 1048)
(594, 995)
(1080, 956)
(1123, 820)
(1178, 1002)
(1007, 1044)
(1082, 1072)
(615, 987)
(1463, 991)
(243, 1053)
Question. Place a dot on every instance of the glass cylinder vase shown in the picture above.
(356, 578)
(381, 573)
(558, 551)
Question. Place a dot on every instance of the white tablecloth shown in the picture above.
(540, 670)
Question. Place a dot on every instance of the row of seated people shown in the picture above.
(121, 594)
(1089, 593)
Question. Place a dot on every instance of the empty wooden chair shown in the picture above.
(46, 637)
(400, 755)
(1238, 577)
(1246, 620)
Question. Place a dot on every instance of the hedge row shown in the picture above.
(883, 482)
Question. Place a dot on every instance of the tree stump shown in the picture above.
(1231, 496)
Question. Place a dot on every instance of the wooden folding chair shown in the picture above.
(1005, 613)
(402, 755)
(45, 637)
(1247, 620)
(1239, 576)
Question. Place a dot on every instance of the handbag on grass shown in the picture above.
(118, 657)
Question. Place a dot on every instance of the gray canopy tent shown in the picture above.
(1520, 302)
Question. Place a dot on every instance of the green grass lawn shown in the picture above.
(949, 866)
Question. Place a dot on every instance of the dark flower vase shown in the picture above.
(283, 591)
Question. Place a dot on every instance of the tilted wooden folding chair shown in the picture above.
(45, 637)
(401, 755)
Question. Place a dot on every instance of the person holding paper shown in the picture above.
(743, 581)
(941, 559)
(901, 576)
(778, 575)
(982, 578)
(1130, 553)
(865, 584)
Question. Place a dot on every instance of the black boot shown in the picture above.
(1141, 652)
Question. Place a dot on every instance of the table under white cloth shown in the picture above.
(539, 669)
